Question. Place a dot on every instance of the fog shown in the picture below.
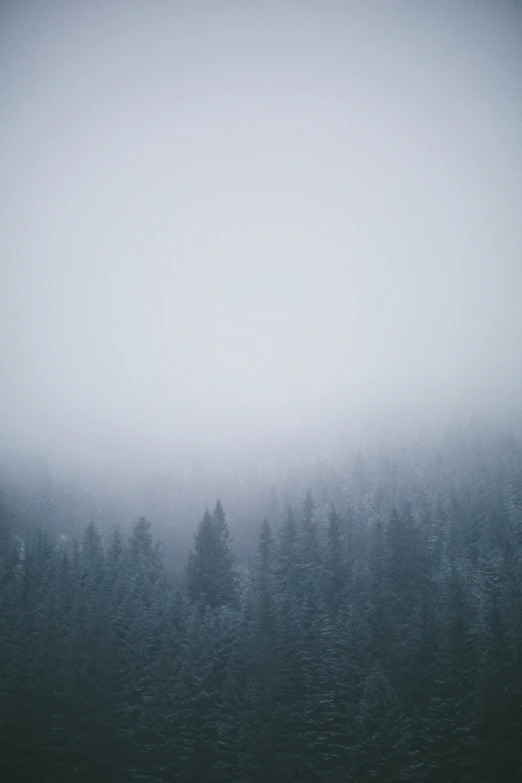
(222, 222)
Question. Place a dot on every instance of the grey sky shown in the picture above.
(218, 217)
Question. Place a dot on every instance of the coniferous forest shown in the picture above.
(374, 638)
(260, 391)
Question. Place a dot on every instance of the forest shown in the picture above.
(374, 637)
(260, 391)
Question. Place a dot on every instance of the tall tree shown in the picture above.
(211, 576)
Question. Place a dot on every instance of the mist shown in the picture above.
(223, 222)
(260, 390)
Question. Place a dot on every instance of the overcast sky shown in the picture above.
(222, 217)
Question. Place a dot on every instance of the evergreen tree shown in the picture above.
(336, 568)
(210, 573)
(388, 650)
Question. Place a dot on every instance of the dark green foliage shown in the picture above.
(337, 566)
(384, 747)
(379, 644)
(211, 577)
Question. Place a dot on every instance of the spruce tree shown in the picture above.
(211, 577)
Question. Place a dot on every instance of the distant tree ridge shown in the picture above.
(379, 640)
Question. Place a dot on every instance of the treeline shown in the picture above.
(379, 642)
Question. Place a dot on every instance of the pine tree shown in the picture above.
(384, 748)
(211, 576)
(337, 570)
(145, 555)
